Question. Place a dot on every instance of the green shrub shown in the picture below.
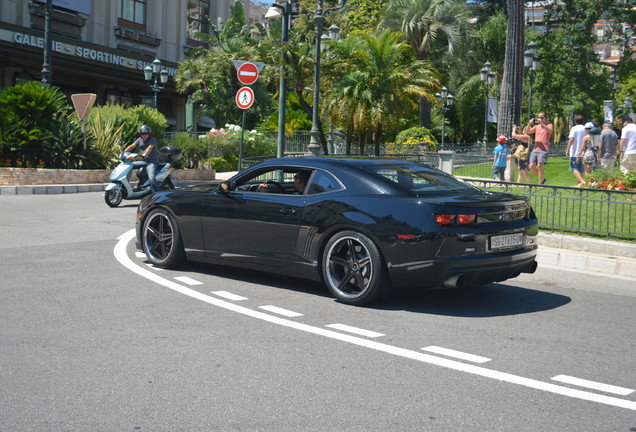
(29, 114)
(194, 150)
(129, 119)
(66, 148)
(408, 140)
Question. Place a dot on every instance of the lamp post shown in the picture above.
(447, 101)
(319, 20)
(156, 77)
(531, 62)
(488, 80)
(334, 35)
(48, 43)
(274, 12)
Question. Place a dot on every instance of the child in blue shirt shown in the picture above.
(499, 159)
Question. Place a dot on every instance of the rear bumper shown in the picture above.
(474, 270)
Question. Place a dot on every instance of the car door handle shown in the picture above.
(287, 211)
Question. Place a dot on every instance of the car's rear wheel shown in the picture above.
(353, 269)
(161, 241)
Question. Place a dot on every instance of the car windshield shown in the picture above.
(419, 180)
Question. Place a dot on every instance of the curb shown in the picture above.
(69, 188)
(586, 254)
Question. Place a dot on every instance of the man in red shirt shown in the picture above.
(542, 131)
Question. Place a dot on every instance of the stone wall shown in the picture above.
(43, 176)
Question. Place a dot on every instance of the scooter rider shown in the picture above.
(148, 146)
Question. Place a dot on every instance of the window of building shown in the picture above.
(133, 11)
(198, 13)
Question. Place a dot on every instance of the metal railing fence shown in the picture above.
(600, 212)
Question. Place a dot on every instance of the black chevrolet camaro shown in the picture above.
(362, 226)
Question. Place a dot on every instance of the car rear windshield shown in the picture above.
(419, 180)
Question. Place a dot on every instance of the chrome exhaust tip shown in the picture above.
(455, 281)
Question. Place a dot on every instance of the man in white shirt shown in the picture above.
(628, 146)
(575, 141)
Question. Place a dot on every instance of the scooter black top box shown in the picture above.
(170, 154)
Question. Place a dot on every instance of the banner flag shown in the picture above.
(492, 109)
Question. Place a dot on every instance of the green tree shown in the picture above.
(378, 83)
(210, 75)
(435, 28)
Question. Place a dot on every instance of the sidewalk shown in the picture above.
(555, 250)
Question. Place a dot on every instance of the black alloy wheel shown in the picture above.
(353, 269)
(162, 240)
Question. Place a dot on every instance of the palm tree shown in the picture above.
(433, 27)
(511, 102)
(379, 82)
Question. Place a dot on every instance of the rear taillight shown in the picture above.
(452, 219)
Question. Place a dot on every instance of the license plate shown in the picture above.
(506, 241)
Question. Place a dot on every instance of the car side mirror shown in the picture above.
(227, 187)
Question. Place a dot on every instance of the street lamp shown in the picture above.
(531, 62)
(319, 20)
(156, 77)
(488, 80)
(274, 12)
(447, 101)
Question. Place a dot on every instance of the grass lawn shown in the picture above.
(557, 172)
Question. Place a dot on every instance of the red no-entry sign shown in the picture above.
(245, 97)
(247, 73)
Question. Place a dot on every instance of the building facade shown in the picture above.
(103, 46)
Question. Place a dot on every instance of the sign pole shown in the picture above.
(241, 145)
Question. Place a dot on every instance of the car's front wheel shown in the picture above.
(161, 240)
(353, 269)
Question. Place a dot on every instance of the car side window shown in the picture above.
(323, 182)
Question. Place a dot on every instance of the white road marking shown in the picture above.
(457, 354)
(607, 388)
(281, 311)
(355, 330)
(140, 254)
(229, 295)
(187, 280)
(122, 256)
(153, 267)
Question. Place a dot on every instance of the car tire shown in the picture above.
(161, 240)
(353, 269)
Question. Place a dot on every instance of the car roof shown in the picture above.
(324, 162)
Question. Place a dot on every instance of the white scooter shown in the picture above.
(120, 188)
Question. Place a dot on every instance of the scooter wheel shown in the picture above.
(113, 197)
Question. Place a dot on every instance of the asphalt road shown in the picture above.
(94, 339)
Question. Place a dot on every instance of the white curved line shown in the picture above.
(122, 257)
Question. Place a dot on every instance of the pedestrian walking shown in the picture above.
(542, 131)
(628, 146)
(575, 142)
(499, 159)
(608, 147)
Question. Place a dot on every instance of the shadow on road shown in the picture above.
(497, 299)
